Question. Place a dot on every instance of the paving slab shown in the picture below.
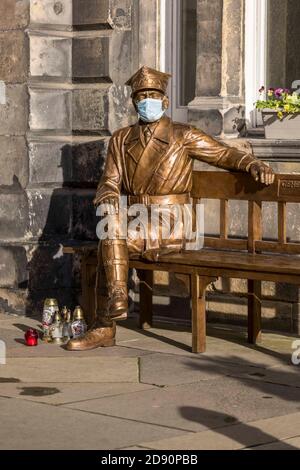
(59, 352)
(231, 345)
(167, 369)
(198, 406)
(228, 343)
(27, 425)
(67, 393)
(135, 448)
(288, 444)
(75, 369)
(150, 391)
(9, 322)
(238, 436)
(155, 340)
(285, 375)
(241, 354)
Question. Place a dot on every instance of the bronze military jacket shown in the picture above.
(160, 167)
(164, 164)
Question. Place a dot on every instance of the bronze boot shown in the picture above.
(115, 263)
(118, 301)
(99, 336)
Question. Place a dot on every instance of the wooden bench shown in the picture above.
(252, 258)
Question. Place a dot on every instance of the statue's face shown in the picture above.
(154, 94)
(142, 95)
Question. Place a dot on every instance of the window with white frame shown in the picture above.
(178, 52)
(272, 39)
(272, 59)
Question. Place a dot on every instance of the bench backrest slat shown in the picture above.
(282, 236)
(226, 186)
(234, 185)
(254, 224)
(224, 219)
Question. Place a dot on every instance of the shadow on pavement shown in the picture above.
(235, 430)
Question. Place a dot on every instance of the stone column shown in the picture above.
(209, 47)
(233, 83)
(146, 45)
(203, 111)
(218, 107)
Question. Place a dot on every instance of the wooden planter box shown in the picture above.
(288, 128)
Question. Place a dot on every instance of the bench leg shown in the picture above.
(198, 290)
(254, 311)
(146, 287)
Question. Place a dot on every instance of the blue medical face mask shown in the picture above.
(150, 109)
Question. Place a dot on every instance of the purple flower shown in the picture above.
(278, 92)
(262, 89)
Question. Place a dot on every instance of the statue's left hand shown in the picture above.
(262, 172)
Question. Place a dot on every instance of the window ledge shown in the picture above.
(275, 149)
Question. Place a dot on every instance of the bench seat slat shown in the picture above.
(216, 271)
(236, 260)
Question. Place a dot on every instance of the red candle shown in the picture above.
(31, 337)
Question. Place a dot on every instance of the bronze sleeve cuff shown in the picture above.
(246, 161)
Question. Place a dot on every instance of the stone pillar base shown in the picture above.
(218, 116)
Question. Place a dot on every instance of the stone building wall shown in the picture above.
(64, 64)
(14, 173)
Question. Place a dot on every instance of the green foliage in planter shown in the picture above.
(281, 100)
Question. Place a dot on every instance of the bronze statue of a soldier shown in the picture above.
(151, 162)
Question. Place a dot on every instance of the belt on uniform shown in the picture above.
(167, 199)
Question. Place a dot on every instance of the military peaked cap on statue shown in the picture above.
(147, 78)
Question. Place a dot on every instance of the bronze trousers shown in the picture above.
(113, 254)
